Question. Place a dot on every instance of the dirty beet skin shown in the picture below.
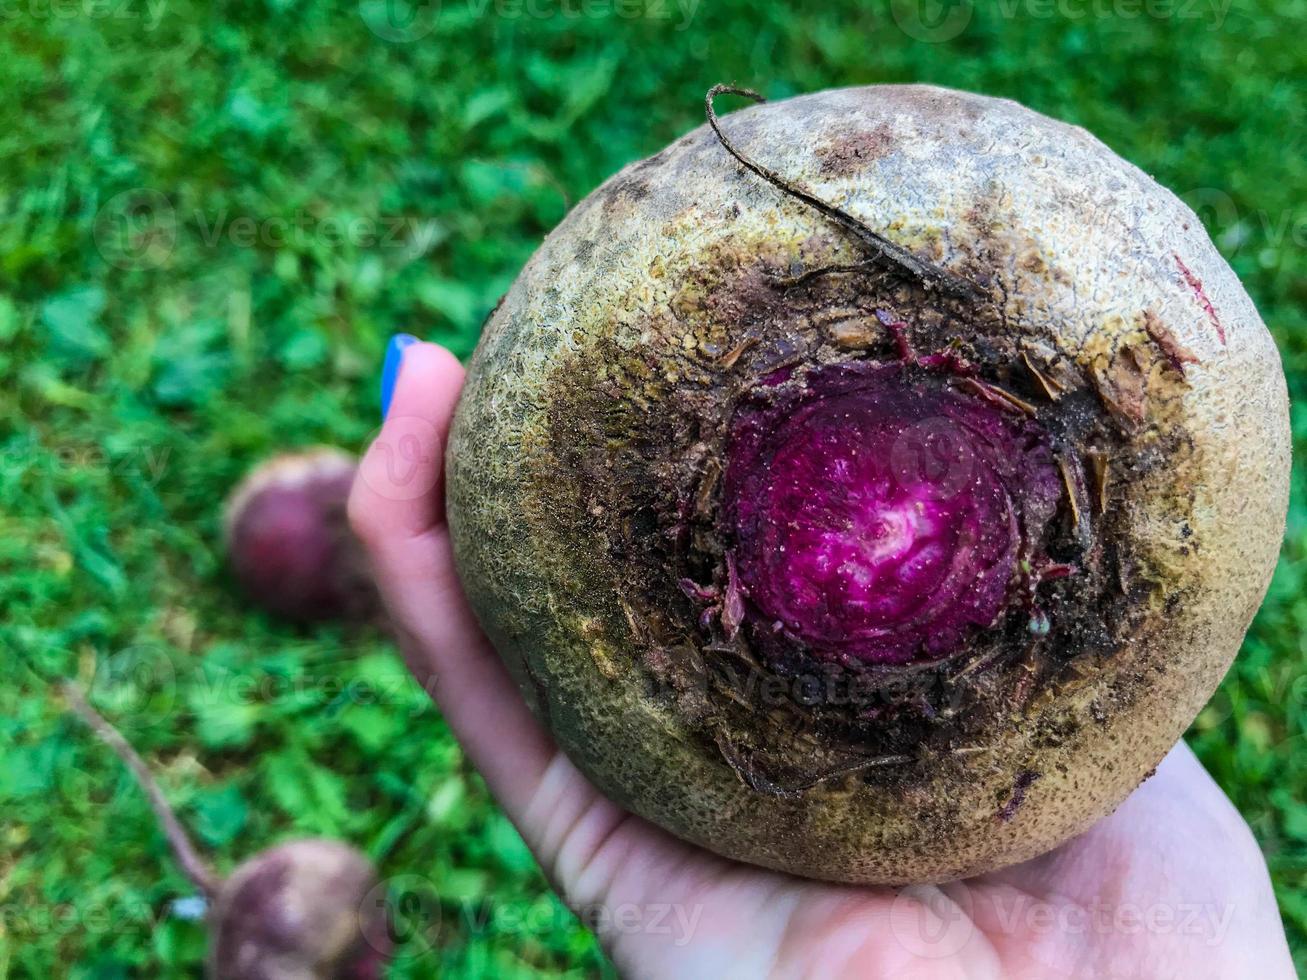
(872, 485)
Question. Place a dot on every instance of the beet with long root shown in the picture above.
(303, 910)
(872, 485)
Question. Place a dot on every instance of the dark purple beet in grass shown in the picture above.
(307, 909)
(288, 540)
(300, 910)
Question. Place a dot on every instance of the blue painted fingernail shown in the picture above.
(390, 369)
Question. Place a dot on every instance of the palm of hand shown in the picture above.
(1172, 884)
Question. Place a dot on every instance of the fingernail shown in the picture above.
(390, 368)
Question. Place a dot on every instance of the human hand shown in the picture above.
(1171, 885)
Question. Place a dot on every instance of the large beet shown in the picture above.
(891, 540)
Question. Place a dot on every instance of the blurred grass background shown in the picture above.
(213, 217)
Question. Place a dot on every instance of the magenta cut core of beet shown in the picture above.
(879, 514)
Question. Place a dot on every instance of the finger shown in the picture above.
(400, 491)
(397, 510)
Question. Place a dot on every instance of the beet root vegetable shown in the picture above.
(300, 911)
(874, 488)
(309, 909)
(288, 540)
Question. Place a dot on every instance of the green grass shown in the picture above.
(136, 385)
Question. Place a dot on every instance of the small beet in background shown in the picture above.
(288, 540)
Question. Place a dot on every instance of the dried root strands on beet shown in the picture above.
(879, 508)
(884, 251)
(288, 540)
